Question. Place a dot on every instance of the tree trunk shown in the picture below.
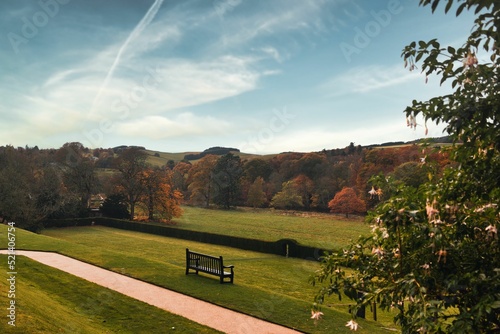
(132, 210)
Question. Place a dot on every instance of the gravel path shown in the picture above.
(210, 315)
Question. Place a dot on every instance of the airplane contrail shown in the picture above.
(146, 20)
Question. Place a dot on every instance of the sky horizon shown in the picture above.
(182, 76)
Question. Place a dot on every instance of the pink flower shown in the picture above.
(491, 230)
(353, 325)
(471, 60)
(378, 251)
(316, 315)
(430, 210)
(442, 255)
(379, 193)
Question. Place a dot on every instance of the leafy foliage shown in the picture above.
(226, 177)
(131, 165)
(162, 202)
(288, 197)
(200, 180)
(433, 254)
(114, 206)
(30, 190)
(256, 195)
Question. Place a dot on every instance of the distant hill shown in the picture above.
(217, 150)
(433, 140)
(161, 158)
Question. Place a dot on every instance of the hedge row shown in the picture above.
(283, 247)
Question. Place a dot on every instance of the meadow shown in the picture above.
(270, 287)
(322, 230)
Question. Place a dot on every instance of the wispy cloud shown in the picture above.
(366, 79)
(183, 125)
(146, 20)
(281, 18)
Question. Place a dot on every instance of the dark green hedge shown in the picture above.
(283, 247)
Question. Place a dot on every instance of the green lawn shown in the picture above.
(267, 286)
(51, 301)
(325, 231)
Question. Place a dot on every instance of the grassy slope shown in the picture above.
(270, 287)
(164, 157)
(51, 301)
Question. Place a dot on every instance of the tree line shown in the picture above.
(38, 184)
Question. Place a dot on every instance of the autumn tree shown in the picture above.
(131, 164)
(305, 187)
(200, 180)
(312, 165)
(180, 176)
(30, 191)
(433, 255)
(256, 196)
(226, 177)
(257, 168)
(288, 197)
(346, 201)
(160, 199)
(79, 171)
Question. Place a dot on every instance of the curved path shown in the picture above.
(210, 315)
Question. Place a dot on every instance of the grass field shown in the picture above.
(325, 231)
(270, 287)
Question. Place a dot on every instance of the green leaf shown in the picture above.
(448, 6)
(461, 8)
(495, 304)
(434, 5)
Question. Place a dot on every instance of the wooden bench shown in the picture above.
(208, 264)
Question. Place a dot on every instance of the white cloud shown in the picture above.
(141, 90)
(317, 138)
(273, 53)
(182, 125)
(279, 18)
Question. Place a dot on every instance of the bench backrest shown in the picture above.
(203, 260)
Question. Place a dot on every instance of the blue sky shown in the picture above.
(264, 76)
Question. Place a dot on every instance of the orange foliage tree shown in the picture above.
(346, 201)
(200, 180)
(256, 196)
(162, 202)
